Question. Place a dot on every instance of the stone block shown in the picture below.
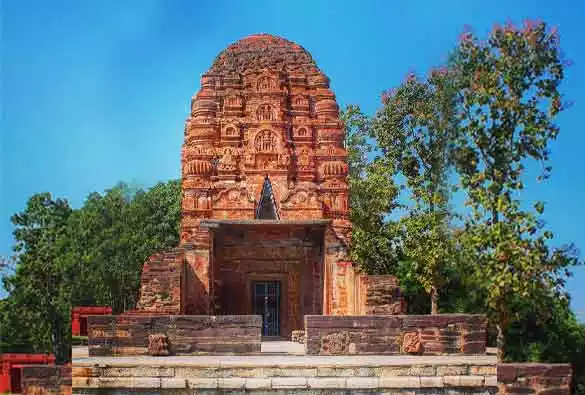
(326, 382)
(452, 370)
(258, 384)
(464, 381)
(203, 383)
(400, 382)
(232, 383)
(168, 382)
(362, 382)
(288, 382)
(431, 382)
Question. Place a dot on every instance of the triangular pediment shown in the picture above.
(267, 204)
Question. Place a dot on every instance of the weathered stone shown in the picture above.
(411, 343)
(362, 382)
(400, 382)
(288, 382)
(326, 382)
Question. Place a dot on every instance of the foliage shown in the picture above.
(38, 289)
(89, 256)
(508, 99)
(372, 197)
(416, 130)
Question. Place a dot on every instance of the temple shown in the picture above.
(263, 256)
(265, 215)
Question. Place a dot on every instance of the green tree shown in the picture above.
(415, 129)
(508, 97)
(372, 195)
(38, 289)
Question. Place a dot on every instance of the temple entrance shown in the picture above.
(266, 302)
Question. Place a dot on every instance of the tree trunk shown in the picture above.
(434, 300)
(500, 342)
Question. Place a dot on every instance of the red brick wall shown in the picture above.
(46, 380)
(160, 282)
(439, 334)
(128, 335)
(379, 295)
(534, 378)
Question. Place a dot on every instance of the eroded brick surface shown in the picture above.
(534, 378)
(46, 380)
(129, 334)
(424, 334)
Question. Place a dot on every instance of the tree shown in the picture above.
(508, 98)
(415, 129)
(38, 289)
(372, 196)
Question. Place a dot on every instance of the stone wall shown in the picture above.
(400, 334)
(534, 378)
(129, 335)
(160, 282)
(379, 295)
(46, 380)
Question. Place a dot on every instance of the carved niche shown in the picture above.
(265, 83)
(231, 131)
(266, 141)
(265, 113)
(302, 132)
(229, 160)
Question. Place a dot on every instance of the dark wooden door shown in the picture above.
(266, 302)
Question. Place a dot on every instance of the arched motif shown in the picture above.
(265, 113)
(265, 83)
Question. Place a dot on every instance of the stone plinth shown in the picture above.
(301, 374)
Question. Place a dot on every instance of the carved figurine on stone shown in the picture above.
(411, 343)
(158, 345)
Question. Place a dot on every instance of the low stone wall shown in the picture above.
(400, 334)
(46, 380)
(185, 334)
(534, 378)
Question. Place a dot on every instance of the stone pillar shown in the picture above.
(339, 297)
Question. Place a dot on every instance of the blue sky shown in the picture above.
(96, 92)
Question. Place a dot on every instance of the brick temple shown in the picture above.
(265, 215)
(263, 255)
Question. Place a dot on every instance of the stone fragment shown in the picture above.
(158, 345)
(411, 343)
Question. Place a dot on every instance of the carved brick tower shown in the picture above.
(265, 194)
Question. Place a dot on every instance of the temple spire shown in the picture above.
(267, 204)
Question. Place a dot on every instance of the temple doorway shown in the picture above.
(266, 303)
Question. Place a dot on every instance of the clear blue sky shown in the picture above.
(94, 92)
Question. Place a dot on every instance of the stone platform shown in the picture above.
(286, 374)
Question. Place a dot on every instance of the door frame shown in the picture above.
(284, 296)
